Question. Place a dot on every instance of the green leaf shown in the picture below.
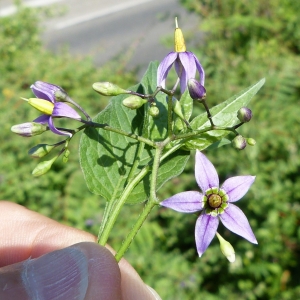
(224, 115)
(187, 108)
(219, 144)
(106, 157)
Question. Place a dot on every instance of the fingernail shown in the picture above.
(62, 274)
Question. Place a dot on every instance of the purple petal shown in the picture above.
(199, 69)
(206, 227)
(181, 74)
(64, 110)
(45, 90)
(235, 220)
(187, 202)
(205, 173)
(236, 187)
(164, 68)
(189, 69)
(55, 130)
(43, 119)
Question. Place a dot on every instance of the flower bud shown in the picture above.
(239, 142)
(177, 108)
(196, 90)
(45, 90)
(40, 150)
(134, 102)
(251, 141)
(154, 111)
(226, 248)
(108, 89)
(43, 167)
(244, 114)
(29, 129)
(66, 156)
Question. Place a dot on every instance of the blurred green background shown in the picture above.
(241, 42)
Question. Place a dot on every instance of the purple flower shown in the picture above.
(46, 91)
(186, 65)
(214, 203)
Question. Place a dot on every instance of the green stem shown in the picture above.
(117, 208)
(170, 114)
(148, 207)
(141, 145)
(136, 161)
(101, 240)
(119, 204)
(126, 243)
(122, 132)
(106, 214)
(155, 167)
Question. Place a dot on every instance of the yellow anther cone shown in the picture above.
(44, 106)
(179, 39)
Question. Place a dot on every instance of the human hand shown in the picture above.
(42, 259)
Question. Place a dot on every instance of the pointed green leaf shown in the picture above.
(224, 115)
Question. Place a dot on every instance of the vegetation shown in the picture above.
(242, 43)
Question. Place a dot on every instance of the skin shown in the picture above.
(39, 256)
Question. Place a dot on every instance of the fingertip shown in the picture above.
(82, 271)
(104, 272)
(133, 288)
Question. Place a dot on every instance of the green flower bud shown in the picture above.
(239, 142)
(154, 111)
(29, 129)
(66, 156)
(177, 108)
(40, 150)
(226, 248)
(108, 89)
(43, 167)
(251, 141)
(244, 114)
(134, 102)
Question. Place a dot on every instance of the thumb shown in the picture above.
(82, 271)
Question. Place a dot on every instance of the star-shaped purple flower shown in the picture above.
(214, 203)
(186, 65)
(46, 91)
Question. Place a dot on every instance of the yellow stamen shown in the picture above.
(179, 39)
(41, 105)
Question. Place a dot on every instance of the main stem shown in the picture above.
(143, 216)
(148, 207)
(119, 204)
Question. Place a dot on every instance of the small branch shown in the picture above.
(209, 116)
(119, 131)
(170, 115)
